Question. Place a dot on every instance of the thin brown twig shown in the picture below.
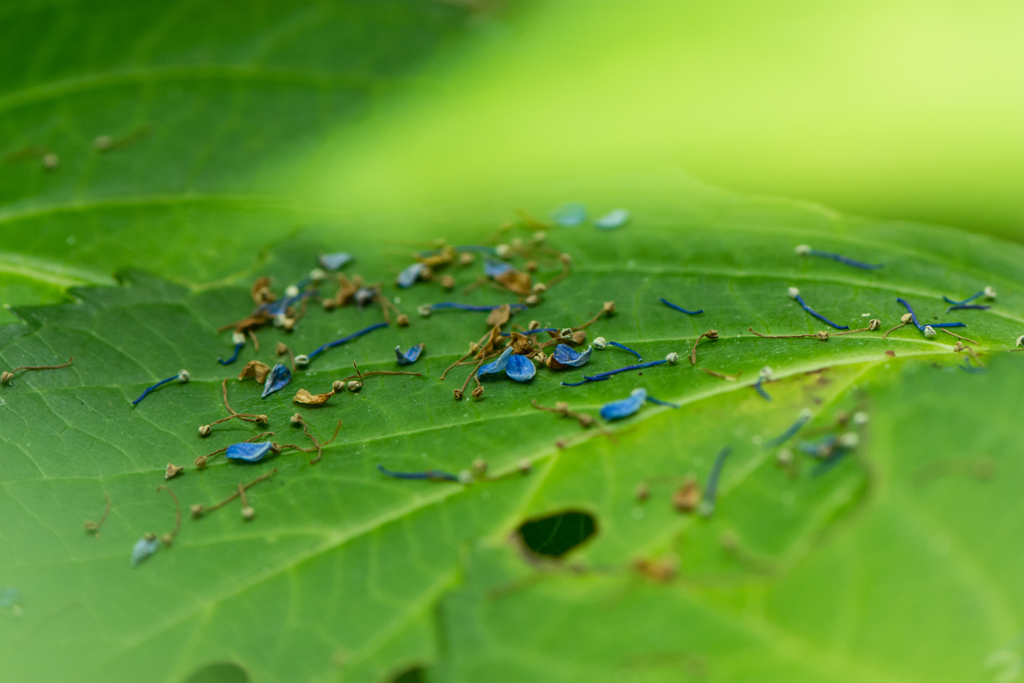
(255, 341)
(320, 446)
(893, 330)
(943, 329)
(727, 378)
(7, 376)
(823, 335)
(234, 495)
(609, 308)
(566, 271)
(710, 334)
(94, 527)
(177, 510)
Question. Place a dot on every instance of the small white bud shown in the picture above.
(424, 310)
(103, 143)
(565, 333)
(540, 288)
(248, 513)
(849, 440)
(291, 291)
(354, 385)
(803, 250)
(183, 376)
(793, 292)
(50, 161)
(280, 320)
(1020, 340)
(672, 358)
(990, 293)
(784, 457)
(929, 331)
(503, 251)
(765, 373)
(317, 275)
(465, 477)
(302, 359)
(806, 414)
(600, 343)
(238, 338)
(861, 418)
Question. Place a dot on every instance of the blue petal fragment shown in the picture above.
(520, 368)
(280, 377)
(569, 215)
(565, 355)
(626, 407)
(408, 277)
(497, 365)
(410, 356)
(495, 268)
(249, 452)
(615, 219)
(364, 295)
(9, 597)
(334, 261)
(142, 549)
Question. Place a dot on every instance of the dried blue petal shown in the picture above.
(569, 215)
(520, 368)
(615, 219)
(626, 407)
(408, 277)
(495, 268)
(364, 296)
(410, 356)
(497, 365)
(565, 355)
(249, 452)
(280, 377)
(334, 261)
(143, 548)
(9, 597)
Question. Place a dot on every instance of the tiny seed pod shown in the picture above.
(466, 258)
(479, 467)
(205, 430)
(540, 288)
(793, 292)
(478, 392)
(906, 318)
(291, 291)
(448, 282)
(354, 385)
(532, 300)
(600, 343)
(530, 266)
(465, 477)
(302, 359)
(424, 310)
(1020, 340)
(402, 320)
(50, 161)
(248, 513)
(861, 418)
(503, 251)
(803, 249)
(672, 358)
(338, 385)
(874, 324)
(102, 143)
(929, 331)
(197, 510)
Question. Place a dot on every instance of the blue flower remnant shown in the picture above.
(614, 219)
(569, 215)
(306, 358)
(494, 268)
(248, 452)
(519, 368)
(989, 293)
(410, 356)
(805, 416)
(707, 506)
(426, 309)
(680, 308)
(670, 359)
(565, 356)
(335, 261)
(182, 377)
(144, 548)
(407, 278)
(616, 410)
(238, 339)
(830, 450)
(794, 293)
(918, 325)
(430, 475)
(804, 250)
(764, 376)
(280, 377)
(600, 343)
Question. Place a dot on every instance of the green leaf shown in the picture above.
(346, 574)
(351, 563)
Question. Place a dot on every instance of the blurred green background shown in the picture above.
(909, 110)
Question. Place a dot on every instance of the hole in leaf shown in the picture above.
(555, 535)
(414, 675)
(219, 672)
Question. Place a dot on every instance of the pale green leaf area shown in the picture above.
(247, 139)
(341, 572)
(918, 580)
